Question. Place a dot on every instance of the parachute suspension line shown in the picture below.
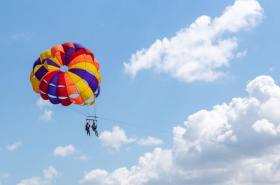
(149, 128)
(87, 110)
(81, 109)
(94, 110)
(76, 110)
(84, 109)
(91, 111)
(194, 137)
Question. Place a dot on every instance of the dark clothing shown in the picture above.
(87, 129)
(94, 127)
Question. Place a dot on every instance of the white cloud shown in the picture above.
(241, 54)
(96, 177)
(115, 138)
(242, 122)
(64, 151)
(264, 126)
(47, 116)
(43, 103)
(198, 51)
(83, 158)
(270, 109)
(49, 177)
(50, 173)
(5, 175)
(150, 141)
(263, 88)
(14, 146)
(24, 36)
(271, 69)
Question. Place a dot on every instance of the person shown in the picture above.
(87, 128)
(94, 127)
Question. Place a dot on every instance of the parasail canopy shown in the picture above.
(67, 74)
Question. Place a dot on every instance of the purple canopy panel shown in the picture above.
(37, 62)
(94, 84)
(78, 46)
(89, 78)
(41, 72)
(52, 90)
(68, 54)
(50, 62)
(98, 92)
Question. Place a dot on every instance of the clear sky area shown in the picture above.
(189, 93)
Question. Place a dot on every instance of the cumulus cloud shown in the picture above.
(14, 146)
(244, 122)
(198, 51)
(96, 177)
(150, 141)
(64, 151)
(264, 126)
(263, 88)
(49, 177)
(47, 116)
(5, 175)
(43, 103)
(115, 138)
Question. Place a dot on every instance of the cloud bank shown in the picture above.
(251, 122)
(49, 177)
(198, 51)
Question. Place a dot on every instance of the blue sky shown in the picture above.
(154, 95)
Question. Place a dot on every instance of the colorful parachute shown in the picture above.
(66, 74)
